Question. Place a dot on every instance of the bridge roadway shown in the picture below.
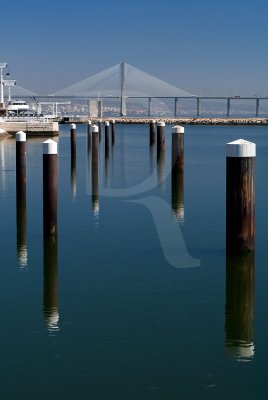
(176, 100)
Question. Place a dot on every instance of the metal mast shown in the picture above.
(2, 66)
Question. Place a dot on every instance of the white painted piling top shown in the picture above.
(240, 148)
(50, 147)
(161, 123)
(73, 126)
(20, 136)
(95, 128)
(89, 122)
(177, 129)
(113, 121)
(153, 121)
(107, 123)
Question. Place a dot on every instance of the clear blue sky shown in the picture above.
(205, 47)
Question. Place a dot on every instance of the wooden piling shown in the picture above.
(21, 165)
(107, 143)
(73, 140)
(113, 131)
(240, 197)
(89, 134)
(95, 168)
(152, 132)
(160, 137)
(50, 187)
(73, 159)
(177, 157)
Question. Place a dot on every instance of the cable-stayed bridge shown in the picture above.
(18, 91)
(124, 81)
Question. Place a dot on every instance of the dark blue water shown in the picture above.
(130, 301)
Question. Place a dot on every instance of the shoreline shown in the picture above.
(181, 121)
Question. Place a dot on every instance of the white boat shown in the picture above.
(17, 106)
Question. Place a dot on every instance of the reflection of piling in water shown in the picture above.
(152, 158)
(113, 131)
(239, 310)
(161, 167)
(160, 137)
(240, 202)
(177, 193)
(50, 305)
(21, 165)
(152, 132)
(73, 174)
(95, 169)
(89, 134)
(50, 187)
(22, 232)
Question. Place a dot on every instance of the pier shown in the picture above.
(32, 127)
(180, 121)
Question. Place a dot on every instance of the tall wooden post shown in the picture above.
(89, 134)
(73, 140)
(113, 131)
(95, 169)
(50, 187)
(107, 143)
(152, 132)
(177, 156)
(160, 137)
(21, 198)
(21, 165)
(240, 197)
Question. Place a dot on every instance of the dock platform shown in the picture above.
(30, 127)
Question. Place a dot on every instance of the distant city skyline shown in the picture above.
(207, 48)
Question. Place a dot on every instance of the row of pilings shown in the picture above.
(240, 219)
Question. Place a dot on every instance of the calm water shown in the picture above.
(132, 301)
